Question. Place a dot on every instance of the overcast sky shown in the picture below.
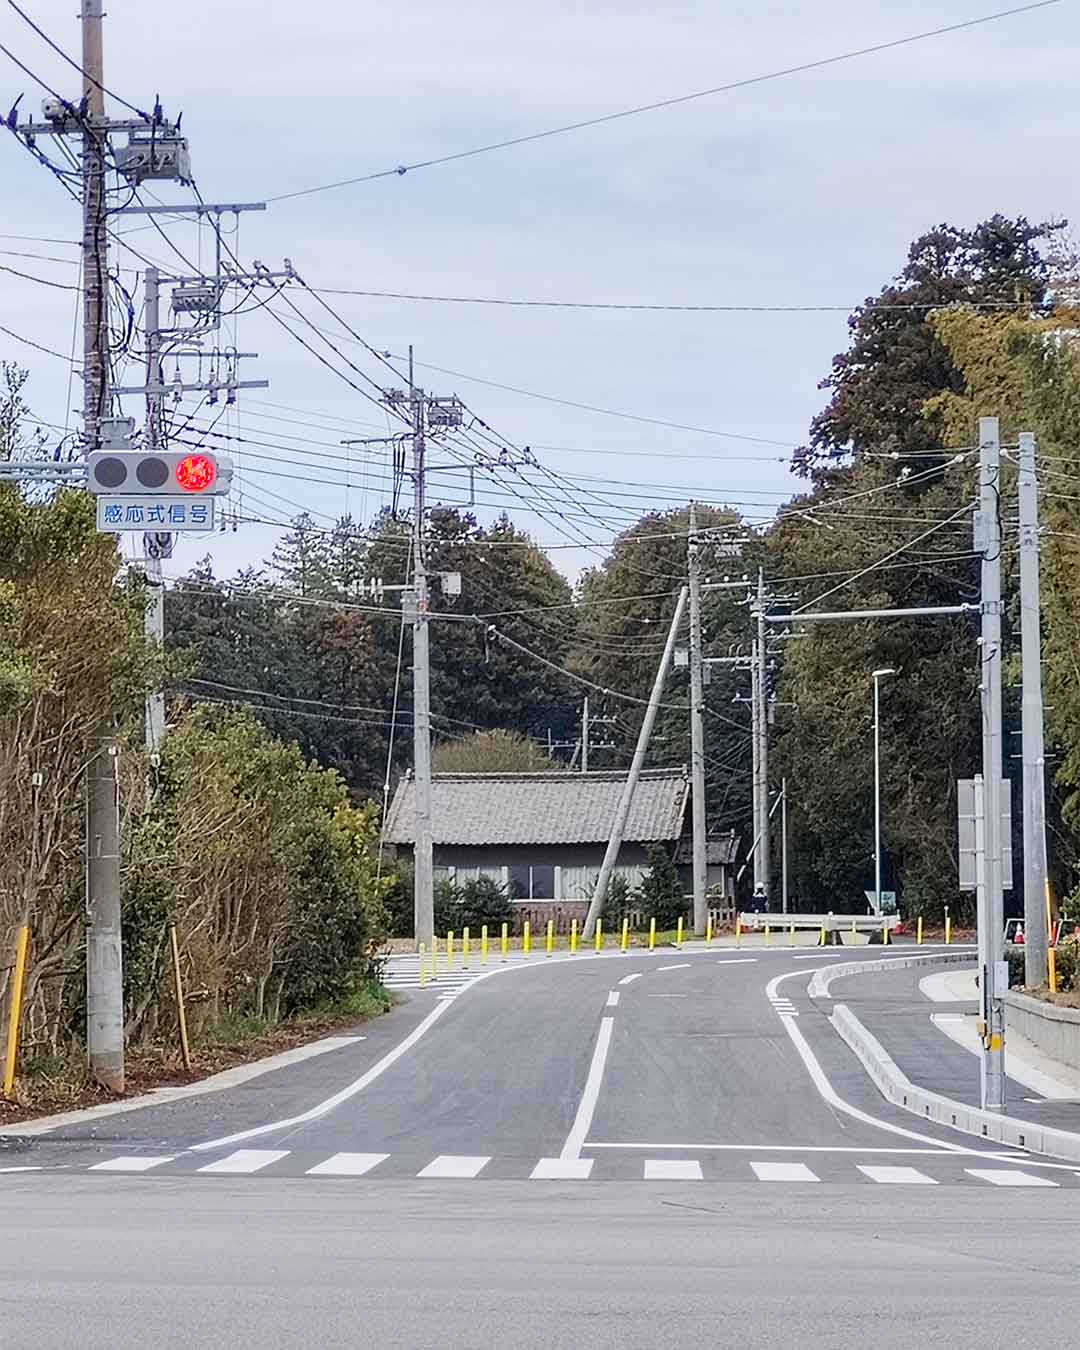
(799, 191)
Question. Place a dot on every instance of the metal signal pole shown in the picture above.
(104, 968)
(1036, 872)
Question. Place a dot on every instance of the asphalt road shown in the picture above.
(629, 1151)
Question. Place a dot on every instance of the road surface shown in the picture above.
(641, 1150)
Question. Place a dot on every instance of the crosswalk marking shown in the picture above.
(141, 1163)
(1001, 1177)
(247, 1160)
(897, 1176)
(781, 1171)
(451, 1165)
(562, 1169)
(347, 1165)
(672, 1169)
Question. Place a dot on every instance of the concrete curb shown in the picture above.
(895, 1086)
(819, 985)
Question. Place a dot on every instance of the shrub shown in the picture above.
(620, 899)
(471, 905)
(661, 890)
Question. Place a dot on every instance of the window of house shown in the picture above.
(535, 882)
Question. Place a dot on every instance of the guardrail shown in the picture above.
(832, 923)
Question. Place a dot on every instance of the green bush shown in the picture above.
(661, 892)
(620, 900)
(471, 905)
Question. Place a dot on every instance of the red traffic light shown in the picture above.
(196, 473)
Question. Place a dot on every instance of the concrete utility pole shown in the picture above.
(762, 816)
(783, 846)
(155, 546)
(104, 969)
(991, 908)
(424, 893)
(622, 813)
(697, 733)
(1036, 870)
(585, 735)
(755, 750)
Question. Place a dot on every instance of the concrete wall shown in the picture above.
(1055, 1030)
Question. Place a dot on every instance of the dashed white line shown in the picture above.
(347, 1165)
(629, 979)
(612, 999)
(1001, 1177)
(737, 961)
(897, 1176)
(672, 1169)
(683, 965)
(451, 1165)
(246, 1160)
(141, 1163)
(562, 1169)
(777, 1171)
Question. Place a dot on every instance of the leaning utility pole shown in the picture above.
(697, 732)
(104, 965)
(994, 981)
(622, 813)
(424, 883)
(1036, 871)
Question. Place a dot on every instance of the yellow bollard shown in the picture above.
(573, 937)
(768, 934)
(625, 941)
(678, 932)
(483, 944)
(791, 936)
(821, 939)
(423, 966)
(18, 986)
(1051, 969)
(434, 957)
(918, 931)
(504, 940)
(550, 945)
(450, 950)
(526, 938)
(948, 929)
(708, 931)
(884, 932)
(738, 932)
(599, 939)
(652, 934)
(465, 946)
(853, 933)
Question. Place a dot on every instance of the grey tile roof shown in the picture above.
(542, 808)
(719, 848)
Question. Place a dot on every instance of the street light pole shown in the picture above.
(879, 675)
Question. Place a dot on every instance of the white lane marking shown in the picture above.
(940, 1151)
(142, 1163)
(562, 1169)
(672, 1169)
(629, 979)
(774, 1171)
(453, 1165)
(737, 961)
(5, 1170)
(828, 1092)
(246, 1160)
(323, 1107)
(612, 1000)
(1000, 1177)
(579, 1131)
(683, 965)
(898, 1176)
(347, 1165)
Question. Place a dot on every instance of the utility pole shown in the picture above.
(755, 748)
(156, 546)
(1036, 871)
(697, 733)
(585, 736)
(783, 846)
(424, 894)
(104, 964)
(762, 815)
(991, 909)
(611, 854)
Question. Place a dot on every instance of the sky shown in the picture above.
(799, 191)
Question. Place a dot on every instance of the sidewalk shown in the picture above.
(925, 1023)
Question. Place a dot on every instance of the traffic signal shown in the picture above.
(165, 472)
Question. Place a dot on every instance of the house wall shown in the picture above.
(576, 865)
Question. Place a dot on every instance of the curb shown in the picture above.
(822, 979)
(895, 1086)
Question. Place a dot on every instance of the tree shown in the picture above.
(495, 751)
(896, 361)
(660, 891)
(15, 441)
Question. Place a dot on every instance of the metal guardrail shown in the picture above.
(832, 923)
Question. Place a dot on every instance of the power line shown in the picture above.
(804, 66)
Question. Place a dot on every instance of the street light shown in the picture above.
(879, 675)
